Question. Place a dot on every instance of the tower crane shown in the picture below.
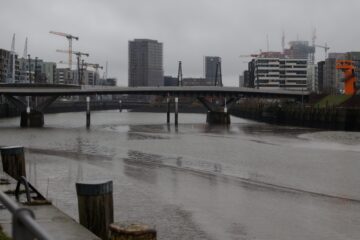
(325, 47)
(70, 38)
(249, 56)
(78, 57)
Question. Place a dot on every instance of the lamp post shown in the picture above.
(29, 68)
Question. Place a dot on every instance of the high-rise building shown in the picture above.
(145, 63)
(37, 70)
(88, 77)
(281, 73)
(300, 50)
(49, 70)
(64, 76)
(6, 67)
(211, 63)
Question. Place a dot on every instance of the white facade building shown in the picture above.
(281, 73)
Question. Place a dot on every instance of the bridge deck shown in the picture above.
(164, 91)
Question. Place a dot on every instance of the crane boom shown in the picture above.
(77, 53)
(69, 38)
(325, 47)
(67, 35)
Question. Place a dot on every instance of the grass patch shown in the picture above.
(332, 101)
(2, 235)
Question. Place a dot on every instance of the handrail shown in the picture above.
(24, 226)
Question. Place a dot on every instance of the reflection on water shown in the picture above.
(245, 181)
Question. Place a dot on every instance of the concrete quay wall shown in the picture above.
(334, 118)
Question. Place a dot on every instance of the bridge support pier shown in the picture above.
(217, 117)
(168, 111)
(32, 118)
(87, 112)
(176, 111)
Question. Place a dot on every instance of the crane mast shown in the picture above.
(78, 57)
(69, 37)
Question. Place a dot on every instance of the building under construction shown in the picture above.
(300, 50)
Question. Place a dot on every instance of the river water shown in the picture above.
(247, 181)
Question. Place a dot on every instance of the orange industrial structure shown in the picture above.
(348, 68)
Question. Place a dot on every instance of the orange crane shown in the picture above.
(348, 68)
(70, 38)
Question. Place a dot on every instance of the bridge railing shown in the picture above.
(84, 87)
(24, 226)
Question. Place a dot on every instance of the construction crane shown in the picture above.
(249, 56)
(70, 38)
(325, 47)
(78, 57)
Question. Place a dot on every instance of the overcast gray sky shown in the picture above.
(189, 29)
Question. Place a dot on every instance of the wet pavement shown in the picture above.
(248, 181)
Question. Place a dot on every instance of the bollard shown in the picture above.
(87, 112)
(120, 106)
(131, 232)
(168, 111)
(13, 161)
(176, 111)
(95, 201)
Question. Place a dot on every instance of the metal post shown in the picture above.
(176, 111)
(82, 72)
(120, 106)
(87, 112)
(29, 68)
(302, 98)
(168, 111)
(35, 72)
(28, 104)
(78, 69)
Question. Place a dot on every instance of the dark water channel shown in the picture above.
(248, 181)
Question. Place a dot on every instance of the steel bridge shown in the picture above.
(32, 113)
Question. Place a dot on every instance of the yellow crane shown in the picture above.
(69, 38)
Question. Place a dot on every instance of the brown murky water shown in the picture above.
(248, 181)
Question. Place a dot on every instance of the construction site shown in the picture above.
(295, 68)
(29, 69)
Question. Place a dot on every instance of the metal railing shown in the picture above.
(24, 226)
